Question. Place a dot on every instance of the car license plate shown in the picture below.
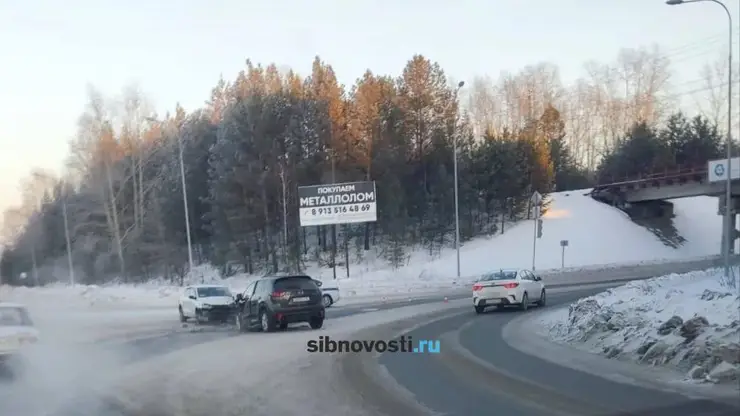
(493, 301)
(302, 299)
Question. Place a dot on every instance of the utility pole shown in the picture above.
(184, 193)
(285, 215)
(536, 201)
(457, 198)
(333, 226)
(70, 264)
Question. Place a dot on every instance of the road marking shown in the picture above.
(369, 310)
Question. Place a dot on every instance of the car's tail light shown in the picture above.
(277, 294)
(477, 287)
(511, 285)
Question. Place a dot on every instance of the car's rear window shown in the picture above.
(500, 275)
(295, 283)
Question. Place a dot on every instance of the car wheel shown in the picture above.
(198, 317)
(525, 302)
(327, 301)
(543, 299)
(479, 309)
(267, 323)
(316, 323)
(183, 318)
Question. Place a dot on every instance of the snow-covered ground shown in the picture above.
(688, 322)
(597, 235)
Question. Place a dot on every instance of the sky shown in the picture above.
(175, 51)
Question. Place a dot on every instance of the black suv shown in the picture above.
(276, 301)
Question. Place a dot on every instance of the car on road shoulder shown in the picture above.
(508, 287)
(329, 294)
(206, 303)
(274, 302)
(17, 332)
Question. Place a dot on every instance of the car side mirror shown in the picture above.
(239, 297)
(191, 297)
(318, 283)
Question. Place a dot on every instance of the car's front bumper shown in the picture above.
(217, 313)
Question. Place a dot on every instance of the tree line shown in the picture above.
(265, 133)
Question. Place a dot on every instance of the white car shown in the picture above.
(17, 332)
(206, 303)
(507, 287)
(329, 294)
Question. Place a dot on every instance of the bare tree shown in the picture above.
(711, 98)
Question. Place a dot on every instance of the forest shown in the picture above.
(266, 132)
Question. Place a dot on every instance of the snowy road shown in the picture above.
(478, 370)
(74, 373)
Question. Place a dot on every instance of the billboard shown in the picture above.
(337, 203)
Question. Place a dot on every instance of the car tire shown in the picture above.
(543, 299)
(316, 323)
(183, 318)
(525, 302)
(479, 309)
(267, 321)
(198, 317)
(327, 301)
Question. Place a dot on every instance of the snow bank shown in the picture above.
(599, 236)
(688, 322)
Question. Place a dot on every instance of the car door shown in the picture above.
(254, 300)
(246, 295)
(537, 283)
(533, 289)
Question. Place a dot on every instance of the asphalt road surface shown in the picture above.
(452, 384)
(180, 337)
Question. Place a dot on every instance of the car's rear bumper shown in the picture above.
(289, 316)
(505, 300)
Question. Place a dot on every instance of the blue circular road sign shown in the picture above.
(719, 170)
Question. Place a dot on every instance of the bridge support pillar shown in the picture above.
(735, 210)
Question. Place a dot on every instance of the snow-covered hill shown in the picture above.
(597, 234)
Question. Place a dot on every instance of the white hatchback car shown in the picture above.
(508, 287)
(206, 303)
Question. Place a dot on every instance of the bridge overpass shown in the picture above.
(649, 191)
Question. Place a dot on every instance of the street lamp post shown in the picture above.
(457, 199)
(728, 231)
(184, 195)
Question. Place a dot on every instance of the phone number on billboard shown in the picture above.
(344, 209)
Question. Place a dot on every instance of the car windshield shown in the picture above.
(295, 283)
(14, 316)
(209, 292)
(500, 275)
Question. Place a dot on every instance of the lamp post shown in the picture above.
(728, 231)
(457, 199)
(184, 195)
